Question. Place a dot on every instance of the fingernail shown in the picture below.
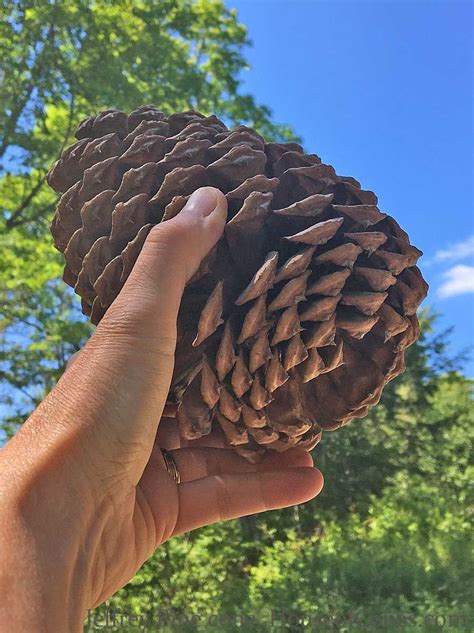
(202, 202)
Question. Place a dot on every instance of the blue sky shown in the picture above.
(383, 91)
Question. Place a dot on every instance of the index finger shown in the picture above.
(230, 496)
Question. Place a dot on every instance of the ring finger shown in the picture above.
(198, 462)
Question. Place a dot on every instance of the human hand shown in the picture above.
(85, 497)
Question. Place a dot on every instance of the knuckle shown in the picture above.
(174, 246)
(132, 321)
(167, 234)
(222, 498)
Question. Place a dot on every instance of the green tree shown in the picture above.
(59, 62)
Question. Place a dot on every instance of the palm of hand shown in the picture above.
(143, 517)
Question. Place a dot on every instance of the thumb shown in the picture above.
(116, 388)
(150, 299)
(124, 371)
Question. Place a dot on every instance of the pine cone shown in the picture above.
(297, 318)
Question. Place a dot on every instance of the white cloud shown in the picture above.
(457, 251)
(458, 280)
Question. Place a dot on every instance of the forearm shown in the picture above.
(40, 580)
(36, 596)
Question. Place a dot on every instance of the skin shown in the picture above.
(85, 497)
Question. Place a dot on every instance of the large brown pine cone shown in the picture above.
(301, 314)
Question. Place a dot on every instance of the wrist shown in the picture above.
(41, 590)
